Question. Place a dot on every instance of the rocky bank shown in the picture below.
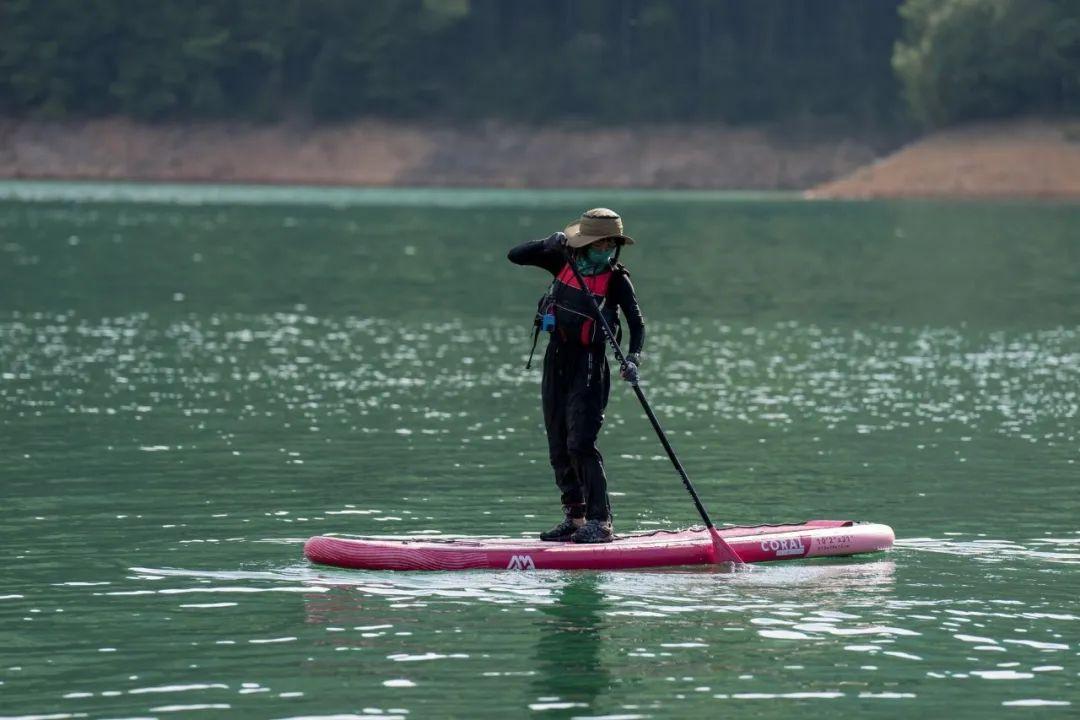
(383, 153)
(1032, 157)
(1028, 158)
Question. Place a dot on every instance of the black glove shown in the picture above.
(629, 371)
(555, 241)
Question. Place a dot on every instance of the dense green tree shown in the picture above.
(594, 60)
(965, 59)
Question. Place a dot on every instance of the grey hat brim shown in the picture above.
(575, 239)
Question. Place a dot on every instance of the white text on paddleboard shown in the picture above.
(784, 547)
(521, 562)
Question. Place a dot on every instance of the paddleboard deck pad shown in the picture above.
(753, 544)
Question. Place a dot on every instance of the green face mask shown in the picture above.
(593, 261)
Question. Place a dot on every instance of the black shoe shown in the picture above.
(594, 531)
(563, 531)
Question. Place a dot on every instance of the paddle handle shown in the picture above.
(722, 551)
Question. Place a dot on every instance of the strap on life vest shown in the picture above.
(532, 351)
(597, 285)
(543, 306)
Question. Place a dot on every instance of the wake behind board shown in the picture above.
(760, 543)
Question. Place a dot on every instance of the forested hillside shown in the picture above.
(737, 61)
(596, 60)
(974, 59)
(768, 94)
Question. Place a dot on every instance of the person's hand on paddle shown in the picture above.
(555, 241)
(629, 371)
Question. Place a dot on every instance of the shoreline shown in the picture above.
(198, 193)
(1030, 158)
(380, 153)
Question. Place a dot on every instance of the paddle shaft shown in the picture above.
(725, 552)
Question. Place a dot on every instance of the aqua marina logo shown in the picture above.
(521, 562)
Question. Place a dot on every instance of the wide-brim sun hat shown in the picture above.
(596, 224)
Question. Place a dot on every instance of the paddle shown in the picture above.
(722, 551)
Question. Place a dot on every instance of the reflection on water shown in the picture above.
(577, 644)
(579, 620)
(570, 654)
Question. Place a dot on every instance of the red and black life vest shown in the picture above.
(574, 311)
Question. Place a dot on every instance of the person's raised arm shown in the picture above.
(546, 253)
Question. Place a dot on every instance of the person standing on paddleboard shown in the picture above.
(576, 377)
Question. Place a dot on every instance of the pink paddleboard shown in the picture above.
(760, 543)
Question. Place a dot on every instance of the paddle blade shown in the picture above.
(724, 553)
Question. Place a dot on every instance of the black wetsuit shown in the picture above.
(575, 386)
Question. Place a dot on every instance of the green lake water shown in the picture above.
(193, 380)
